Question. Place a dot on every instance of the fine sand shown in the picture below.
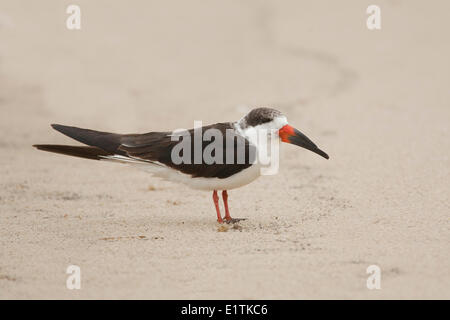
(376, 101)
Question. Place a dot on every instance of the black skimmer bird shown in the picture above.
(233, 162)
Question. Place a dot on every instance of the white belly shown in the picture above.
(235, 181)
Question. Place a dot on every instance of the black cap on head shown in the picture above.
(259, 116)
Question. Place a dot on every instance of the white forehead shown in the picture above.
(271, 126)
(276, 124)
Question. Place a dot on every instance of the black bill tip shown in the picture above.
(321, 153)
(303, 141)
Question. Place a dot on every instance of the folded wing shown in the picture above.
(153, 148)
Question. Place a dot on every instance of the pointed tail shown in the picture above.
(109, 142)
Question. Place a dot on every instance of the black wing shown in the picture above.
(157, 147)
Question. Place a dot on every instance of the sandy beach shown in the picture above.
(378, 102)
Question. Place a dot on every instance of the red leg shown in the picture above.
(227, 212)
(225, 203)
(216, 203)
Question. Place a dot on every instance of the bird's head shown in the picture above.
(271, 119)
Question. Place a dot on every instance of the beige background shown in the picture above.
(376, 101)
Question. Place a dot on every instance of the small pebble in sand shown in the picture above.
(222, 228)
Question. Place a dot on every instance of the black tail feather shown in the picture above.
(93, 153)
